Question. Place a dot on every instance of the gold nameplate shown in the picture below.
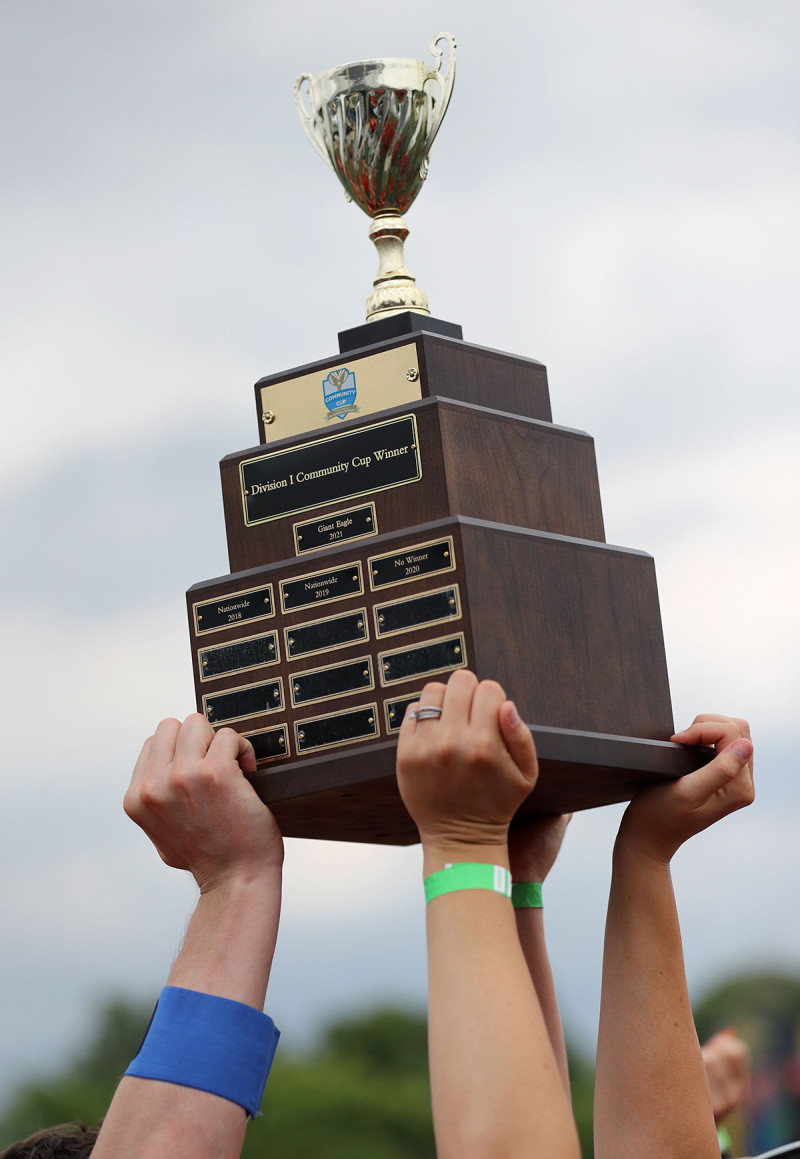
(335, 394)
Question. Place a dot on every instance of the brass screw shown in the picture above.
(268, 416)
(412, 374)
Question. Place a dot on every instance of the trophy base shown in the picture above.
(354, 797)
(395, 326)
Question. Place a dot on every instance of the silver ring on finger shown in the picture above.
(426, 712)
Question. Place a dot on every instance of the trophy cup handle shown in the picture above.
(307, 117)
(445, 85)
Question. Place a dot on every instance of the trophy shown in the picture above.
(411, 508)
(374, 123)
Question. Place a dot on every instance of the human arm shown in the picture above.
(190, 795)
(533, 846)
(495, 1086)
(651, 1093)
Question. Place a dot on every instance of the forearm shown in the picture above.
(530, 931)
(227, 952)
(496, 1089)
(651, 1095)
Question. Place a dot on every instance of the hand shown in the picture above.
(661, 817)
(727, 1063)
(189, 794)
(463, 776)
(534, 844)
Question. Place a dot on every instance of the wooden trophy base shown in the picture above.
(436, 519)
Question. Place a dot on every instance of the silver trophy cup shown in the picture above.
(374, 123)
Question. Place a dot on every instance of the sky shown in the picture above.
(613, 192)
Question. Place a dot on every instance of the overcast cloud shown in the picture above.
(614, 192)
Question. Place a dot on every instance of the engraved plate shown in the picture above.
(325, 635)
(237, 703)
(332, 681)
(335, 527)
(270, 743)
(422, 659)
(254, 652)
(233, 608)
(336, 728)
(396, 709)
(429, 608)
(298, 404)
(359, 462)
(322, 587)
(412, 563)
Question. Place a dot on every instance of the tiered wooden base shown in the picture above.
(406, 542)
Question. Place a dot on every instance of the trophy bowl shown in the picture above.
(374, 123)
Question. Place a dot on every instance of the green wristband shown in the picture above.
(526, 894)
(468, 875)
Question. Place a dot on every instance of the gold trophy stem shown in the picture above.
(395, 289)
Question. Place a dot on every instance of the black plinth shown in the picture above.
(395, 327)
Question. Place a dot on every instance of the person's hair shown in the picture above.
(67, 1141)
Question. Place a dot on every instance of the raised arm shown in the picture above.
(190, 796)
(651, 1093)
(533, 847)
(495, 1086)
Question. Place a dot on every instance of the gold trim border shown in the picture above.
(273, 728)
(415, 648)
(392, 728)
(232, 643)
(423, 623)
(290, 659)
(343, 498)
(198, 631)
(339, 743)
(363, 660)
(298, 550)
(241, 688)
(325, 571)
(414, 578)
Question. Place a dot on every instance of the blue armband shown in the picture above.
(209, 1043)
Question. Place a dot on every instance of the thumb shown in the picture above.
(518, 741)
(721, 773)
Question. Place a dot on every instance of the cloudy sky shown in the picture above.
(614, 192)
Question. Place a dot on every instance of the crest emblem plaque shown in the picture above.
(339, 393)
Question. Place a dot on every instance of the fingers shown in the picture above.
(727, 776)
(458, 696)
(232, 746)
(432, 694)
(711, 729)
(518, 741)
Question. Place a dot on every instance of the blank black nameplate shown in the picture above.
(253, 652)
(234, 608)
(332, 681)
(337, 728)
(322, 587)
(335, 527)
(422, 660)
(270, 743)
(325, 635)
(412, 563)
(412, 612)
(396, 709)
(237, 703)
